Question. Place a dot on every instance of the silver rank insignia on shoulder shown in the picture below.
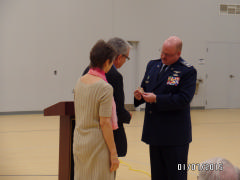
(186, 63)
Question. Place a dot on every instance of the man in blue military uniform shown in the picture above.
(167, 88)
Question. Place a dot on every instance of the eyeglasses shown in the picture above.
(128, 58)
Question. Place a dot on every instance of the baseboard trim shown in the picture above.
(130, 107)
(197, 107)
(21, 112)
(192, 108)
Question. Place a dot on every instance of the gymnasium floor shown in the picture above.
(29, 145)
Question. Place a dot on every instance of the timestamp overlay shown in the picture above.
(200, 167)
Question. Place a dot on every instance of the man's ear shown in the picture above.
(117, 60)
(119, 57)
(179, 53)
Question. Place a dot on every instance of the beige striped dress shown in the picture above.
(91, 154)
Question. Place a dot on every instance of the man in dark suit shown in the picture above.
(168, 88)
(116, 80)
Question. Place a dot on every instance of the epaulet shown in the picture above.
(185, 63)
(155, 60)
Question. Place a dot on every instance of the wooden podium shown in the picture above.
(67, 123)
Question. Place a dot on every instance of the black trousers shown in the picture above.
(166, 160)
(120, 140)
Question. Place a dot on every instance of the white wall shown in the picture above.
(38, 37)
(41, 36)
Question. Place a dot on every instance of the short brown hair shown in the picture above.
(100, 53)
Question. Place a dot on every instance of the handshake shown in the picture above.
(148, 97)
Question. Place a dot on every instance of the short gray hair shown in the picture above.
(121, 46)
(227, 172)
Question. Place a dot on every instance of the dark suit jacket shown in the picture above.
(116, 80)
(168, 122)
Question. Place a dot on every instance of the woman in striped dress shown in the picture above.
(94, 150)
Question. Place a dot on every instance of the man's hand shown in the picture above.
(149, 97)
(138, 94)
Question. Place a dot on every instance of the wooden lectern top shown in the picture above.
(60, 109)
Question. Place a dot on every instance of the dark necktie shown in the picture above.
(160, 73)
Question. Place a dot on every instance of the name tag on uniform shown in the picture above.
(173, 81)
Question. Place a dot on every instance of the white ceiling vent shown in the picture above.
(226, 9)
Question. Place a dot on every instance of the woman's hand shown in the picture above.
(106, 126)
(114, 163)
